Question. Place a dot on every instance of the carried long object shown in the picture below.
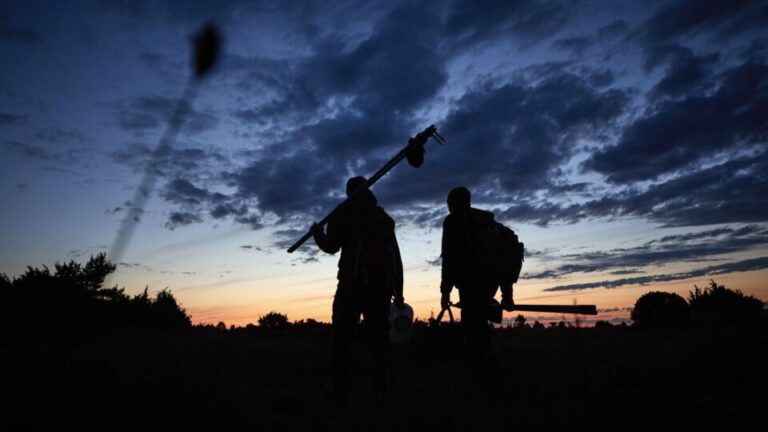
(415, 146)
(574, 309)
(495, 311)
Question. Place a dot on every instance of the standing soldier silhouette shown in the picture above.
(461, 269)
(370, 275)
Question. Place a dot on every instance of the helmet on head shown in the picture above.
(354, 183)
(459, 198)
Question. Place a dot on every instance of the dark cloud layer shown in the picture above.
(11, 119)
(679, 133)
(475, 22)
(152, 112)
(726, 18)
(515, 137)
(686, 150)
(60, 135)
(167, 161)
(705, 245)
(733, 191)
(177, 219)
(30, 151)
(734, 267)
(14, 34)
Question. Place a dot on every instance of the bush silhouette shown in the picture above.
(520, 321)
(71, 304)
(273, 320)
(718, 304)
(658, 309)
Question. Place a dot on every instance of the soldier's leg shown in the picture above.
(376, 333)
(346, 313)
(474, 322)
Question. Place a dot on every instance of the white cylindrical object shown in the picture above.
(400, 324)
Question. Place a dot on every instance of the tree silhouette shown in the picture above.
(659, 309)
(520, 321)
(716, 303)
(603, 324)
(167, 313)
(273, 320)
(70, 303)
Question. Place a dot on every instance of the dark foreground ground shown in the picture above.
(553, 379)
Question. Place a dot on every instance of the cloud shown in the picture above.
(59, 135)
(42, 154)
(334, 110)
(151, 112)
(705, 245)
(291, 184)
(334, 107)
(21, 35)
(195, 199)
(613, 30)
(515, 135)
(687, 73)
(734, 191)
(528, 20)
(734, 267)
(717, 232)
(253, 221)
(181, 191)
(729, 192)
(177, 219)
(12, 119)
(577, 44)
(226, 209)
(167, 161)
(510, 139)
(687, 17)
(437, 262)
(679, 133)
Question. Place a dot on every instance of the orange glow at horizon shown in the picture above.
(422, 294)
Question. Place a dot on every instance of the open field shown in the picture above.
(553, 379)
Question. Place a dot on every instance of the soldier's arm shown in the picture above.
(327, 242)
(398, 288)
(506, 296)
(447, 279)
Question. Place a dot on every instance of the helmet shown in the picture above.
(400, 324)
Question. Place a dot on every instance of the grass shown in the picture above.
(549, 379)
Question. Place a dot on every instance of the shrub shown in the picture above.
(70, 304)
(603, 324)
(273, 320)
(716, 303)
(659, 309)
(520, 322)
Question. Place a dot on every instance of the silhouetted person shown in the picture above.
(370, 274)
(462, 270)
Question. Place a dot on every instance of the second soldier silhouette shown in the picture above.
(461, 268)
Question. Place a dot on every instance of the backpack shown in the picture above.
(498, 253)
(374, 248)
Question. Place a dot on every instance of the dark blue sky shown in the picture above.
(647, 119)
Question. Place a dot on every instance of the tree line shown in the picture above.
(713, 305)
(69, 303)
